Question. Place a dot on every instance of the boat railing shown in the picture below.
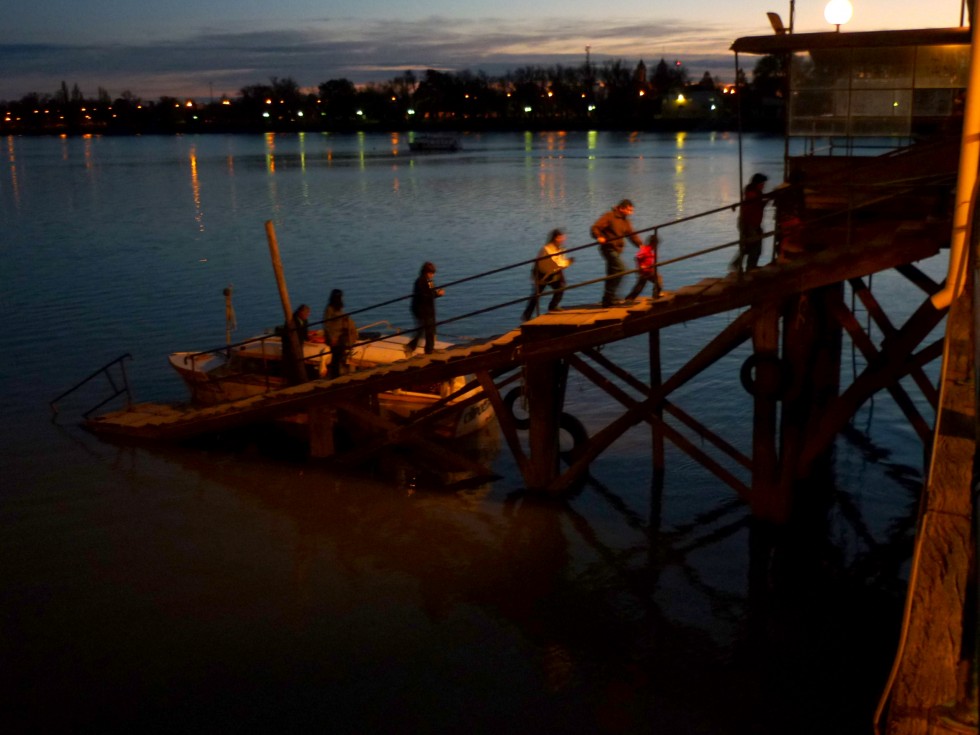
(117, 388)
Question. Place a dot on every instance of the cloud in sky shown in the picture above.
(374, 50)
(194, 47)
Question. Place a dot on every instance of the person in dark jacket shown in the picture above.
(750, 226)
(339, 332)
(424, 295)
(610, 231)
(293, 366)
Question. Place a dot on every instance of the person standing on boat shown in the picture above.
(750, 226)
(610, 231)
(294, 366)
(339, 333)
(549, 270)
(424, 295)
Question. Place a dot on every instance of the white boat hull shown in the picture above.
(254, 368)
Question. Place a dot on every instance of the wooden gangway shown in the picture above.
(550, 335)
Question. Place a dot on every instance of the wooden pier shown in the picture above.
(543, 349)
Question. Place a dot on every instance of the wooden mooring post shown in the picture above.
(545, 390)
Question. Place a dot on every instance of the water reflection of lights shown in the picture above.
(270, 147)
(12, 157)
(680, 164)
(196, 189)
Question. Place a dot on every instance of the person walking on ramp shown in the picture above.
(750, 226)
(424, 295)
(548, 270)
(609, 231)
(646, 263)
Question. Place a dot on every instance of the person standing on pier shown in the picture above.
(424, 295)
(646, 263)
(750, 226)
(549, 270)
(610, 231)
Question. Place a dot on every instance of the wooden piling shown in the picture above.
(544, 387)
(294, 363)
(767, 502)
(656, 380)
(322, 420)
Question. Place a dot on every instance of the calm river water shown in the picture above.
(205, 588)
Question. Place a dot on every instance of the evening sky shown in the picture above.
(213, 47)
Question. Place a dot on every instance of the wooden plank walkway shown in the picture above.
(548, 336)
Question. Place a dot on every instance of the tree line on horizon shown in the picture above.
(611, 95)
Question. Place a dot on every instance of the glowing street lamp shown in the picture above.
(838, 12)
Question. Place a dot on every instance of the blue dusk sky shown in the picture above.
(214, 47)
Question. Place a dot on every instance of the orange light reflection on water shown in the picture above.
(196, 189)
(12, 157)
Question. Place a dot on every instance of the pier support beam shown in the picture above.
(544, 387)
(767, 502)
(322, 420)
(812, 360)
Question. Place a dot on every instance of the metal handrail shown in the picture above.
(104, 370)
(887, 191)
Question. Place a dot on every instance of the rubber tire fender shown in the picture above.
(746, 377)
(510, 399)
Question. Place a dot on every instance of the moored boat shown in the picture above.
(434, 144)
(254, 367)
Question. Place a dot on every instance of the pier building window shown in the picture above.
(891, 92)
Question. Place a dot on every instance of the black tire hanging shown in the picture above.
(747, 376)
(574, 428)
(509, 402)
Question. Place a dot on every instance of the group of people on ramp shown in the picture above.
(610, 232)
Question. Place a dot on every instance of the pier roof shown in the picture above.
(788, 42)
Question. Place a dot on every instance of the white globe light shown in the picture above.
(838, 12)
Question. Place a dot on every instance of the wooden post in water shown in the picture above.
(767, 502)
(812, 361)
(543, 386)
(656, 379)
(322, 420)
(293, 364)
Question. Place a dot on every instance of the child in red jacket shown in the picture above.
(646, 262)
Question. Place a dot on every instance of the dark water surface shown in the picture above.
(203, 588)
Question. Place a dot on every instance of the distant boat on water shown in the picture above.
(435, 144)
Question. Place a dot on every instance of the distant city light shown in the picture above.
(527, 108)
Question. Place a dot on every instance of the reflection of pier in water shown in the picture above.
(860, 216)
